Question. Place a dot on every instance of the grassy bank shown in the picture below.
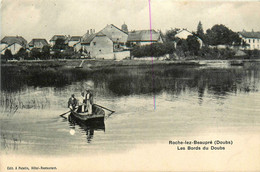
(91, 64)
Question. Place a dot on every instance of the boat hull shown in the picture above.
(97, 115)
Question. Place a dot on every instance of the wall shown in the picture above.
(71, 43)
(77, 47)
(114, 56)
(52, 43)
(15, 48)
(253, 42)
(100, 45)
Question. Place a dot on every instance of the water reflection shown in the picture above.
(87, 127)
(187, 98)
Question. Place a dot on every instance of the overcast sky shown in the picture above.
(44, 18)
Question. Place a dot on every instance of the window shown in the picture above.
(94, 43)
(249, 40)
(253, 41)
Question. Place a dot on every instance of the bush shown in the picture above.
(215, 53)
(153, 50)
(253, 54)
(8, 54)
(21, 54)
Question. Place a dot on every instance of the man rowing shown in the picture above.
(72, 103)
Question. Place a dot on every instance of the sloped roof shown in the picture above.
(250, 34)
(38, 40)
(116, 28)
(111, 35)
(14, 39)
(143, 35)
(55, 37)
(75, 38)
(181, 30)
(88, 38)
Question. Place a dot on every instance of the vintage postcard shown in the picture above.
(129, 85)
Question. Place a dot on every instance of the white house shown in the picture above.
(118, 36)
(251, 38)
(97, 44)
(107, 34)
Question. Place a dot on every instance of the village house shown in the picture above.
(118, 36)
(97, 44)
(108, 43)
(144, 37)
(73, 40)
(56, 37)
(252, 39)
(184, 33)
(13, 43)
(37, 43)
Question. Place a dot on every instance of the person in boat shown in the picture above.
(82, 102)
(72, 103)
(89, 101)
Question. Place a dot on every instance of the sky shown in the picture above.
(45, 18)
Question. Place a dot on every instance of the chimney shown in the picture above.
(88, 32)
(91, 31)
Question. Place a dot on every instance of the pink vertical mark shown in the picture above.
(151, 38)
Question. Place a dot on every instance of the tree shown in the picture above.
(221, 35)
(22, 53)
(182, 47)
(35, 53)
(193, 44)
(8, 54)
(60, 44)
(200, 31)
(46, 52)
(170, 35)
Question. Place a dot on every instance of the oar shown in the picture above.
(105, 108)
(65, 113)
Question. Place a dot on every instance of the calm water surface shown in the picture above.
(189, 100)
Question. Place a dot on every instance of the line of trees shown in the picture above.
(219, 34)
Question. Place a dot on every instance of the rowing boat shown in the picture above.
(98, 114)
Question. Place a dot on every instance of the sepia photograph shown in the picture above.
(129, 85)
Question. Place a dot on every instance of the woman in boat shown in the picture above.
(89, 101)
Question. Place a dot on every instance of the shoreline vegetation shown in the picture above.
(100, 63)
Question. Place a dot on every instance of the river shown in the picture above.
(153, 104)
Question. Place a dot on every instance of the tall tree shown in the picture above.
(200, 31)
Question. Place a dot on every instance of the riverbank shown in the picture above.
(91, 64)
